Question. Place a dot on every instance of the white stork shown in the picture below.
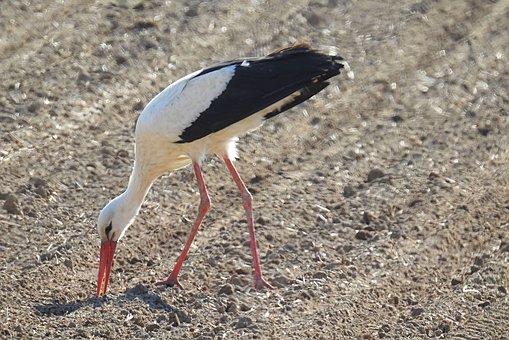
(203, 113)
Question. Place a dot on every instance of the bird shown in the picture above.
(204, 113)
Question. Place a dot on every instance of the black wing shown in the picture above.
(259, 83)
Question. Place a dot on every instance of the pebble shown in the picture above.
(152, 327)
(139, 289)
(320, 275)
(40, 186)
(239, 281)
(11, 205)
(455, 281)
(34, 107)
(366, 218)
(83, 77)
(349, 191)
(226, 290)
(242, 322)
(231, 307)
(484, 131)
(363, 235)
(416, 311)
(281, 281)
(375, 174)
(182, 316)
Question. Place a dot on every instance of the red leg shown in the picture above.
(247, 203)
(202, 211)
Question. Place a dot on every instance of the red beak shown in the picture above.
(105, 264)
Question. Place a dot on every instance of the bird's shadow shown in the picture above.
(61, 309)
(151, 299)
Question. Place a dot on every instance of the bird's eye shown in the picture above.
(108, 230)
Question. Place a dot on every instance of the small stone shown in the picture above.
(239, 281)
(122, 154)
(46, 256)
(394, 300)
(281, 281)
(363, 235)
(231, 308)
(183, 317)
(242, 271)
(84, 77)
(11, 205)
(320, 275)
(242, 322)
(395, 234)
(366, 219)
(416, 311)
(502, 290)
(139, 7)
(139, 289)
(484, 131)
(348, 191)
(397, 119)
(38, 182)
(226, 289)
(68, 263)
(138, 105)
(120, 59)
(375, 174)
(34, 107)
(312, 18)
(143, 25)
(474, 269)
(421, 7)
(42, 192)
(478, 261)
(484, 304)
(455, 281)
(40, 186)
(152, 327)
(254, 180)
(384, 329)
(315, 121)
(149, 43)
(191, 12)
(138, 321)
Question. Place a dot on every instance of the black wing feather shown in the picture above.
(262, 83)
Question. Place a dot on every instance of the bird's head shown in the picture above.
(111, 225)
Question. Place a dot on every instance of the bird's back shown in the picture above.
(219, 97)
(288, 76)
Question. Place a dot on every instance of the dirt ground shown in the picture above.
(382, 204)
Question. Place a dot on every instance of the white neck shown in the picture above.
(129, 202)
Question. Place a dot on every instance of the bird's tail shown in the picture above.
(317, 68)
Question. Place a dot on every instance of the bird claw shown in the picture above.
(170, 281)
(260, 283)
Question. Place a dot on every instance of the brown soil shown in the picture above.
(382, 204)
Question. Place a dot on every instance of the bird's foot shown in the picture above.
(171, 281)
(260, 283)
